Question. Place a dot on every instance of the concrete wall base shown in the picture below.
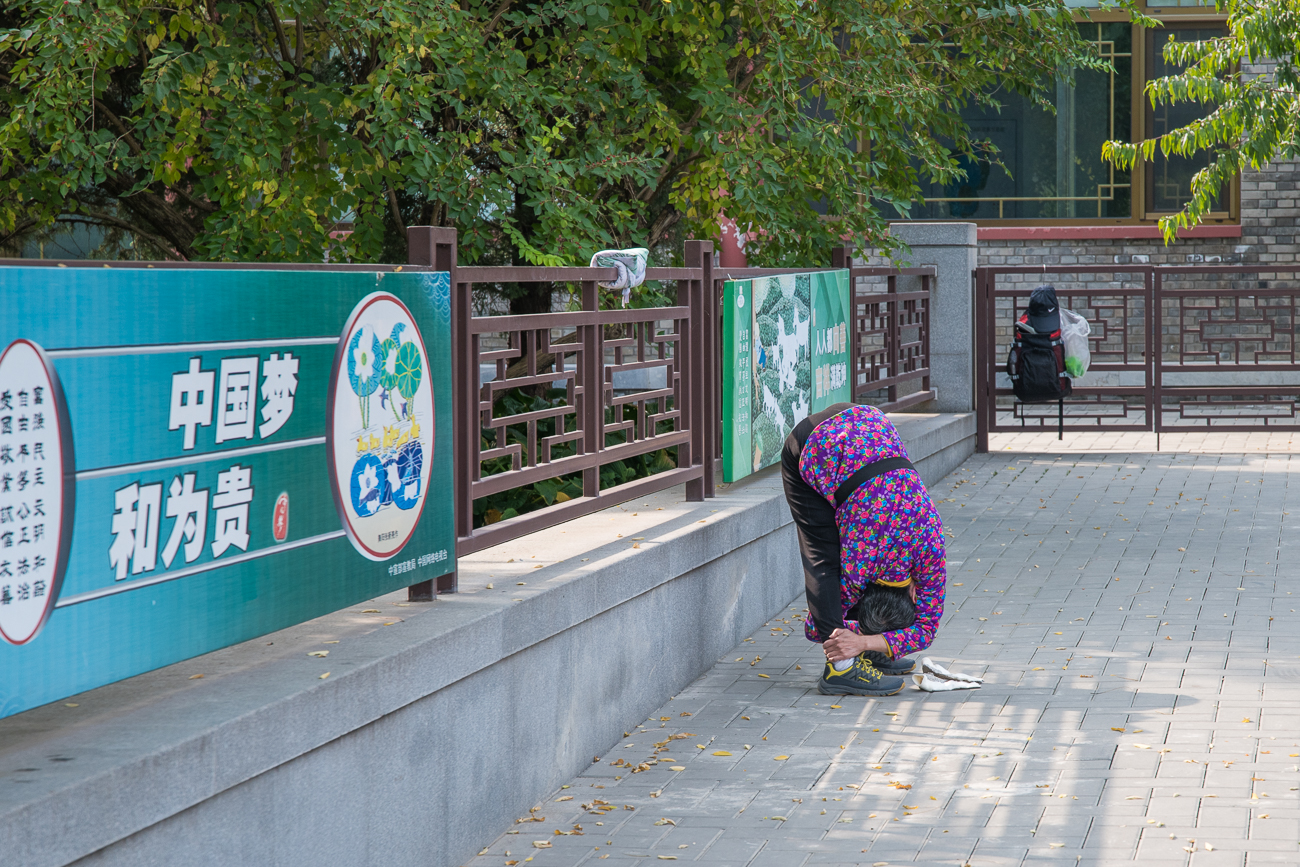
(440, 723)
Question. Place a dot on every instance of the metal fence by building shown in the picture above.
(1174, 348)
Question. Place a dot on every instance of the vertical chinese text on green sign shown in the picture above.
(786, 344)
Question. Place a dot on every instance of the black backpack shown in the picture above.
(1036, 363)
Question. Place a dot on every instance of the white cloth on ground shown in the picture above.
(933, 677)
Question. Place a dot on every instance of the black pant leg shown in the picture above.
(819, 540)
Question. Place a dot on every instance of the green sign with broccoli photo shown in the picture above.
(785, 345)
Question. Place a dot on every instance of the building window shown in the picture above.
(1169, 179)
(1045, 167)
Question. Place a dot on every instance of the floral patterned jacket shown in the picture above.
(889, 528)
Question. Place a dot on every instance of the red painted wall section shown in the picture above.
(731, 252)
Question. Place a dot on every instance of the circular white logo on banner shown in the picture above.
(36, 490)
(380, 434)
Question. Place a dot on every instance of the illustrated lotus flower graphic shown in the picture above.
(388, 366)
(409, 370)
(363, 368)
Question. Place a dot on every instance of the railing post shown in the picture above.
(927, 286)
(894, 337)
(435, 246)
(841, 256)
(984, 377)
(703, 368)
(690, 362)
(1154, 279)
(593, 388)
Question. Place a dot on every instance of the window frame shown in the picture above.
(1143, 112)
(1139, 111)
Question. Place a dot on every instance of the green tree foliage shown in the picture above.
(1247, 82)
(541, 129)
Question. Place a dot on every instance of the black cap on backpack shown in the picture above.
(1043, 315)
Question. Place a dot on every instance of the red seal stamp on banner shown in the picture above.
(280, 519)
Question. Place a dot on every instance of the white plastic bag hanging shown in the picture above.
(631, 264)
(1074, 336)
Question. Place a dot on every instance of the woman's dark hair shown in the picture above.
(884, 609)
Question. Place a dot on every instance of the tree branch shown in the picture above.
(394, 210)
(95, 219)
(116, 123)
(279, 31)
(21, 227)
(501, 9)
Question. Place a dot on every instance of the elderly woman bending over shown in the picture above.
(872, 547)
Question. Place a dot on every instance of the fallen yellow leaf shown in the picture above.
(565, 798)
(370, 611)
(780, 758)
(677, 768)
(1056, 845)
(319, 653)
(1116, 729)
(764, 675)
(325, 675)
(721, 753)
(837, 706)
(195, 676)
(541, 844)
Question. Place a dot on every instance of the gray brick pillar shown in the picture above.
(953, 249)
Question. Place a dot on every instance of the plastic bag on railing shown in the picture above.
(1074, 336)
(631, 264)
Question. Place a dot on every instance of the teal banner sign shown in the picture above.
(193, 458)
(785, 355)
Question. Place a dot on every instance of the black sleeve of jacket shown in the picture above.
(819, 537)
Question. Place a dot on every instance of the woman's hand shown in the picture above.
(846, 644)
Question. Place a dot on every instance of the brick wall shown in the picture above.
(1270, 223)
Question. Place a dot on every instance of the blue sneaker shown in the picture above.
(860, 678)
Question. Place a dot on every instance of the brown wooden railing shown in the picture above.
(580, 352)
(891, 336)
(675, 350)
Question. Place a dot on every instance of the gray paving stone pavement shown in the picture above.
(1133, 615)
